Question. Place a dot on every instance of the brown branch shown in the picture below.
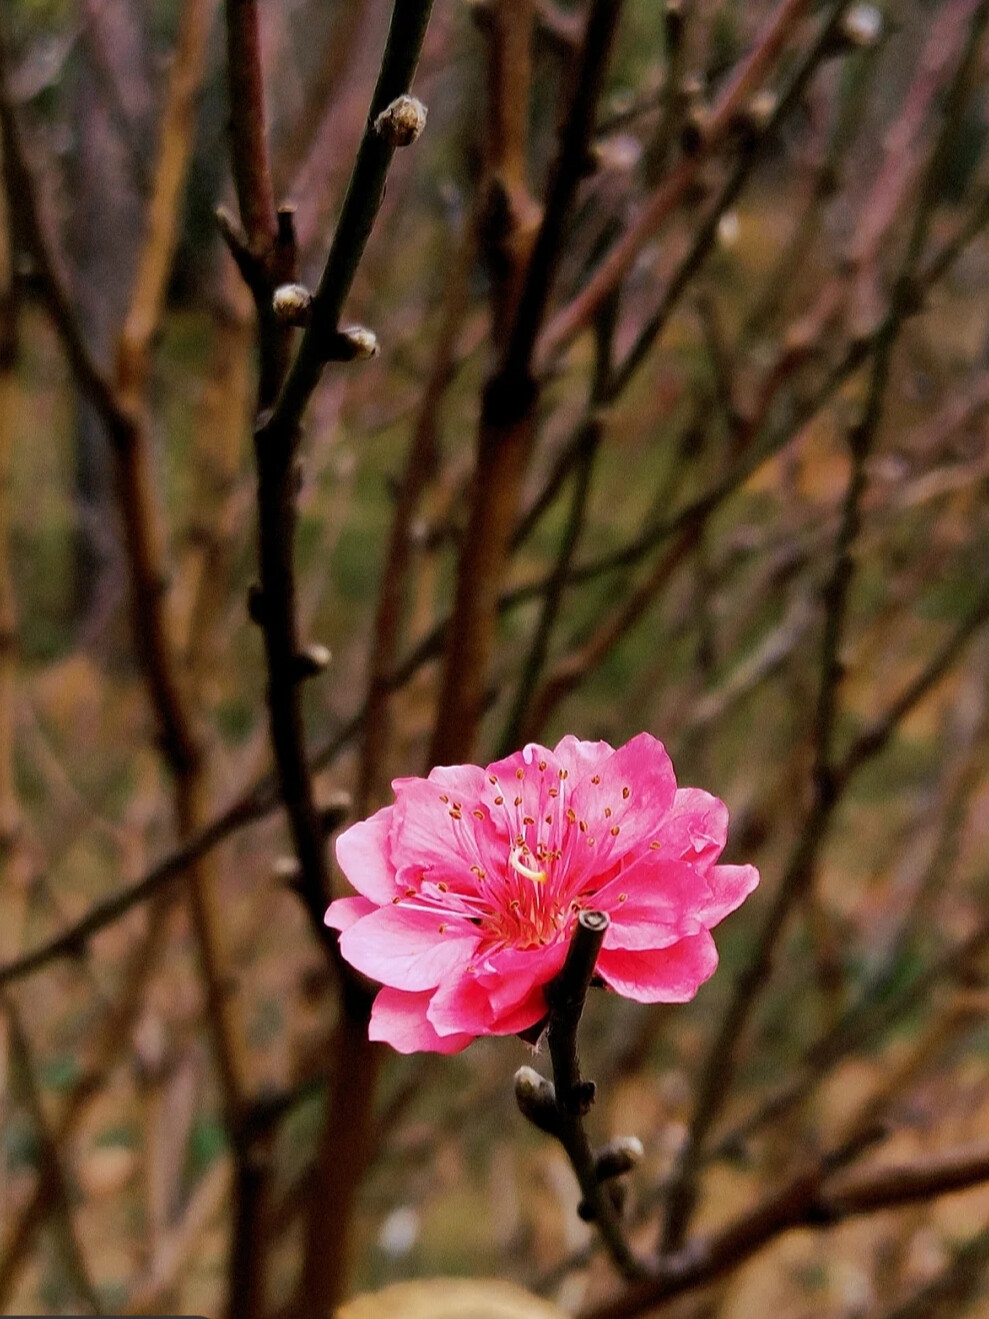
(828, 780)
(956, 1283)
(560, 1108)
(420, 465)
(580, 311)
(812, 1200)
(706, 232)
(53, 1177)
(507, 426)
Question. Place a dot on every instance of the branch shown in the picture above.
(811, 1200)
(958, 1281)
(828, 780)
(559, 1108)
(579, 313)
(507, 425)
(52, 1175)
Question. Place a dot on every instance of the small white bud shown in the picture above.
(401, 122)
(862, 26)
(354, 343)
(292, 304)
(312, 661)
(286, 870)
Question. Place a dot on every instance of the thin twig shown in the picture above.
(507, 425)
(813, 1199)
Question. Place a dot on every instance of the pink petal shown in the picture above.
(581, 758)
(666, 975)
(406, 949)
(620, 807)
(653, 903)
(399, 1019)
(345, 912)
(511, 974)
(465, 1006)
(696, 827)
(730, 886)
(441, 828)
(502, 995)
(364, 856)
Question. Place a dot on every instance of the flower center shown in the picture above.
(516, 862)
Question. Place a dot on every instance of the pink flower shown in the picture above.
(470, 883)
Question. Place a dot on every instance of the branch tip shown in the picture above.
(618, 1157)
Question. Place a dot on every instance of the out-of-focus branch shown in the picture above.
(53, 1177)
(828, 778)
(519, 727)
(956, 1284)
(580, 311)
(705, 235)
(420, 464)
(814, 1199)
(506, 430)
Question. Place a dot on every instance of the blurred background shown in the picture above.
(754, 523)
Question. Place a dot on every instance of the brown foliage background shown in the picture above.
(679, 423)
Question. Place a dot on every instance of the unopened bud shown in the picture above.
(354, 344)
(618, 1157)
(400, 123)
(292, 304)
(862, 26)
(536, 1098)
(311, 661)
(287, 871)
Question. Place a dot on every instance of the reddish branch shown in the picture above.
(508, 413)
(580, 312)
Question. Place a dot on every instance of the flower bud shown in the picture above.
(618, 1157)
(311, 661)
(292, 304)
(536, 1098)
(287, 870)
(355, 343)
(400, 123)
(862, 26)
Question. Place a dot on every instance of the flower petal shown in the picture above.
(407, 948)
(465, 1006)
(345, 912)
(665, 975)
(619, 808)
(442, 828)
(399, 1019)
(364, 855)
(653, 903)
(730, 886)
(696, 828)
(579, 758)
